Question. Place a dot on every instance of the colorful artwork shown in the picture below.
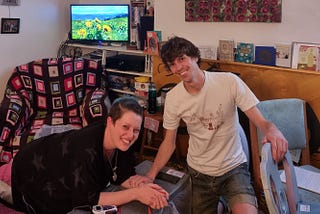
(233, 10)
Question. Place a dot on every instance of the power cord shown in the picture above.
(68, 51)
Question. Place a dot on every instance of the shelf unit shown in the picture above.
(133, 73)
(107, 51)
(107, 48)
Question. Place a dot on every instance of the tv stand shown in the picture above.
(95, 44)
(117, 44)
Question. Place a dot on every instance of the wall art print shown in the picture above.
(233, 10)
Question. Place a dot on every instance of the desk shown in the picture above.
(153, 134)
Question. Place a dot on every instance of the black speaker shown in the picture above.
(146, 24)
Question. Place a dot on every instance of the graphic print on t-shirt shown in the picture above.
(210, 120)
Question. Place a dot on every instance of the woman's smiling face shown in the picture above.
(125, 131)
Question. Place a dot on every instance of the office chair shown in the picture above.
(280, 198)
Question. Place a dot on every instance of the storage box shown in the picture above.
(141, 86)
(121, 82)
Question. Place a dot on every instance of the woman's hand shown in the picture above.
(152, 195)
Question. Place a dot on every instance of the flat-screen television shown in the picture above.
(99, 23)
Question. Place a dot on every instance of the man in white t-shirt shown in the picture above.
(207, 102)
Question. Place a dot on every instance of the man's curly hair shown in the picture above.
(177, 47)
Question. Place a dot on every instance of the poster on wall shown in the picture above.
(233, 10)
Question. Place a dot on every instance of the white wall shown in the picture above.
(43, 25)
(300, 22)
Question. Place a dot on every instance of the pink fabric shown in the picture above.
(5, 172)
(6, 210)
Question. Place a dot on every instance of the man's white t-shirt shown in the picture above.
(212, 121)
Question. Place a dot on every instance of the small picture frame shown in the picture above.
(10, 25)
(10, 2)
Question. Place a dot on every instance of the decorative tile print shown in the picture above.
(68, 84)
(67, 68)
(74, 120)
(57, 121)
(41, 114)
(53, 61)
(55, 88)
(91, 79)
(38, 122)
(12, 117)
(53, 71)
(93, 64)
(37, 70)
(78, 80)
(15, 106)
(233, 10)
(26, 81)
(40, 86)
(42, 101)
(5, 156)
(96, 110)
(57, 103)
(4, 134)
(79, 95)
(23, 68)
(16, 83)
(78, 65)
(73, 112)
(70, 98)
(57, 114)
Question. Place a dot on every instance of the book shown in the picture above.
(306, 179)
(159, 34)
(226, 50)
(305, 56)
(295, 54)
(208, 52)
(283, 55)
(265, 55)
(245, 52)
(308, 57)
(152, 43)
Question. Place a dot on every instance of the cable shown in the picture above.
(62, 49)
(68, 51)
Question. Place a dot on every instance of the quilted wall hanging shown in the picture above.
(233, 10)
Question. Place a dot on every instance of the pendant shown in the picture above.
(114, 176)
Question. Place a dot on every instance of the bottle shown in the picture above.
(152, 99)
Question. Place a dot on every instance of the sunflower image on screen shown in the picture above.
(99, 22)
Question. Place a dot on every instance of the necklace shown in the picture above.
(114, 169)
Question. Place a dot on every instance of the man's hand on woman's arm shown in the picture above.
(164, 153)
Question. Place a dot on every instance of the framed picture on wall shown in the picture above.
(10, 2)
(233, 11)
(10, 25)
